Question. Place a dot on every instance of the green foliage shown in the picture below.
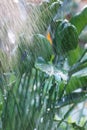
(1, 102)
(46, 12)
(80, 20)
(65, 37)
(40, 91)
(38, 46)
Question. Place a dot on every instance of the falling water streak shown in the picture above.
(16, 17)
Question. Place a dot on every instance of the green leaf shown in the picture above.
(72, 98)
(80, 20)
(83, 121)
(52, 70)
(76, 83)
(74, 55)
(1, 102)
(81, 73)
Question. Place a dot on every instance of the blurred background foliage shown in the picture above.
(40, 90)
